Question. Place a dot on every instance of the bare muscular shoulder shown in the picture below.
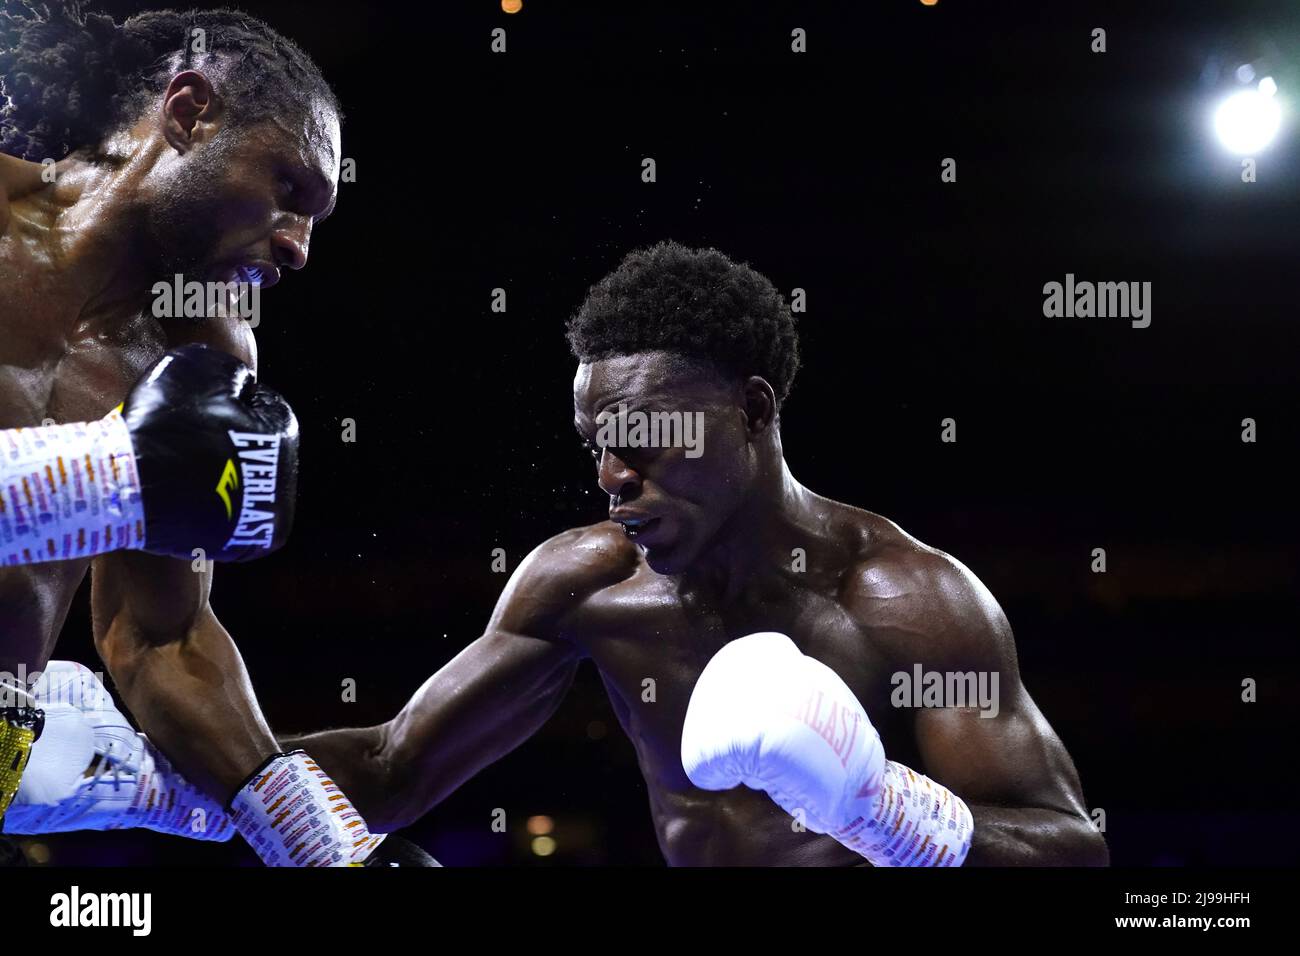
(918, 602)
(558, 579)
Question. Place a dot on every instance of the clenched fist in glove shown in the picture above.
(766, 716)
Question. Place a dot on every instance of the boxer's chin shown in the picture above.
(662, 561)
(668, 557)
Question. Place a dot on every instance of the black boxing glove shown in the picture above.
(396, 851)
(200, 457)
(217, 456)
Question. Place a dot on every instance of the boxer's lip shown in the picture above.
(633, 524)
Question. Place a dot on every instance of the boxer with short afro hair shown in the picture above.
(770, 617)
(696, 303)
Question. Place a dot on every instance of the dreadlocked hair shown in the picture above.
(68, 77)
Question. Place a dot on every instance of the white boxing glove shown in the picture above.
(767, 716)
(89, 770)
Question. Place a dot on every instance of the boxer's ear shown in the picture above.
(759, 403)
(189, 101)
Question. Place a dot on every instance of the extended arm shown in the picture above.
(482, 704)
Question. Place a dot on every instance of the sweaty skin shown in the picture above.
(717, 565)
(181, 190)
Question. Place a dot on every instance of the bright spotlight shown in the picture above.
(1247, 121)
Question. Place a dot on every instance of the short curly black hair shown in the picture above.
(694, 302)
(69, 78)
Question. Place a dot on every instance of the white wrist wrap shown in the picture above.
(292, 814)
(68, 491)
(913, 822)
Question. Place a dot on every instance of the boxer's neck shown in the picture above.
(757, 539)
(84, 225)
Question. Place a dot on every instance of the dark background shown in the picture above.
(925, 301)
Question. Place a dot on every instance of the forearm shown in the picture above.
(356, 759)
(1031, 836)
(398, 771)
(193, 698)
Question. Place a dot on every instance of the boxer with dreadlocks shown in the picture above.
(200, 144)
